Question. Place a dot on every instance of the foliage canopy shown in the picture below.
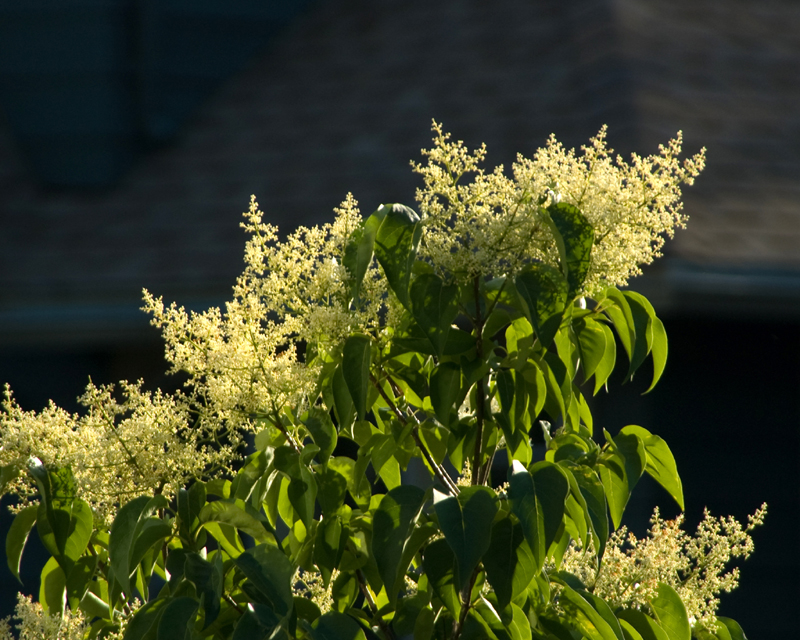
(379, 370)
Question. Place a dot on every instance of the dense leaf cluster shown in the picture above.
(472, 366)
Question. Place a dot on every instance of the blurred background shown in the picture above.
(132, 133)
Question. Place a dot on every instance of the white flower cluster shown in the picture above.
(35, 624)
(494, 224)
(695, 566)
(117, 450)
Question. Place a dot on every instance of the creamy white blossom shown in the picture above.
(495, 224)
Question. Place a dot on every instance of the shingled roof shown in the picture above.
(343, 99)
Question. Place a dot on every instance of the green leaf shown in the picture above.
(648, 628)
(53, 588)
(602, 607)
(344, 591)
(423, 628)
(329, 544)
(65, 531)
(552, 489)
(407, 613)
(123, 536)
(229, 513)
(591, 488)
(612, 474)
(258, 622)
(445, 389)
(177, 621)
(606, 365)
(270, 572)
(642, 312)
(660, 462)
(320, 426)
(519, 341)
(509, 563)
(628, 632)
(342, 400)
(17, 536)
(150, 532)
(78, 579)
(619, 311)
(356, 358)
(544, 291)
(336, 626)
(732, 627)
(392, 525)
(631, 447)
(358, 253)
(434, 306)
(671, 613)
(208, 579)
(525, 505)
(466, 521)
(439, 564)
(591, 343)
(574, 237)
(145, 621)
(396, 245)
(583, 616)
(658, 351)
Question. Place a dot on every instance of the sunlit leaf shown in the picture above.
(574, 237)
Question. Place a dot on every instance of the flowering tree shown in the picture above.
(348, 351)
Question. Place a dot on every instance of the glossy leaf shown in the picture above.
(631, 447)
(17, 536)
(445, 389)
(616, 307)
(583, 616)
(628, 632)
(439, 564)
(606, 366)
(602, 608)
(178, 619)
(328, 546)
(658, 351)
(574, 237)
(270, 572)
(144, 624)
(342, 400)
(52, 588)
(660, 462)
(552, 489)
(509, 562)
(257, 623)
(358, 253)
(466, 522)
(396, 243)
(591, 488)
(230, 514)
(392, 525)
(207, 577)
(434, 305)
(671, 613)
(732, 627)
(356, 358)
(336, 626)
(592, 345)
(319, 425)
(525, 505)
(648, 628)
(544, 292)
(124, 534)
(612, 474)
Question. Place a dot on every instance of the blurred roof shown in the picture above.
(343, 98)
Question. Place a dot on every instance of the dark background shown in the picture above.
(132, 133)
